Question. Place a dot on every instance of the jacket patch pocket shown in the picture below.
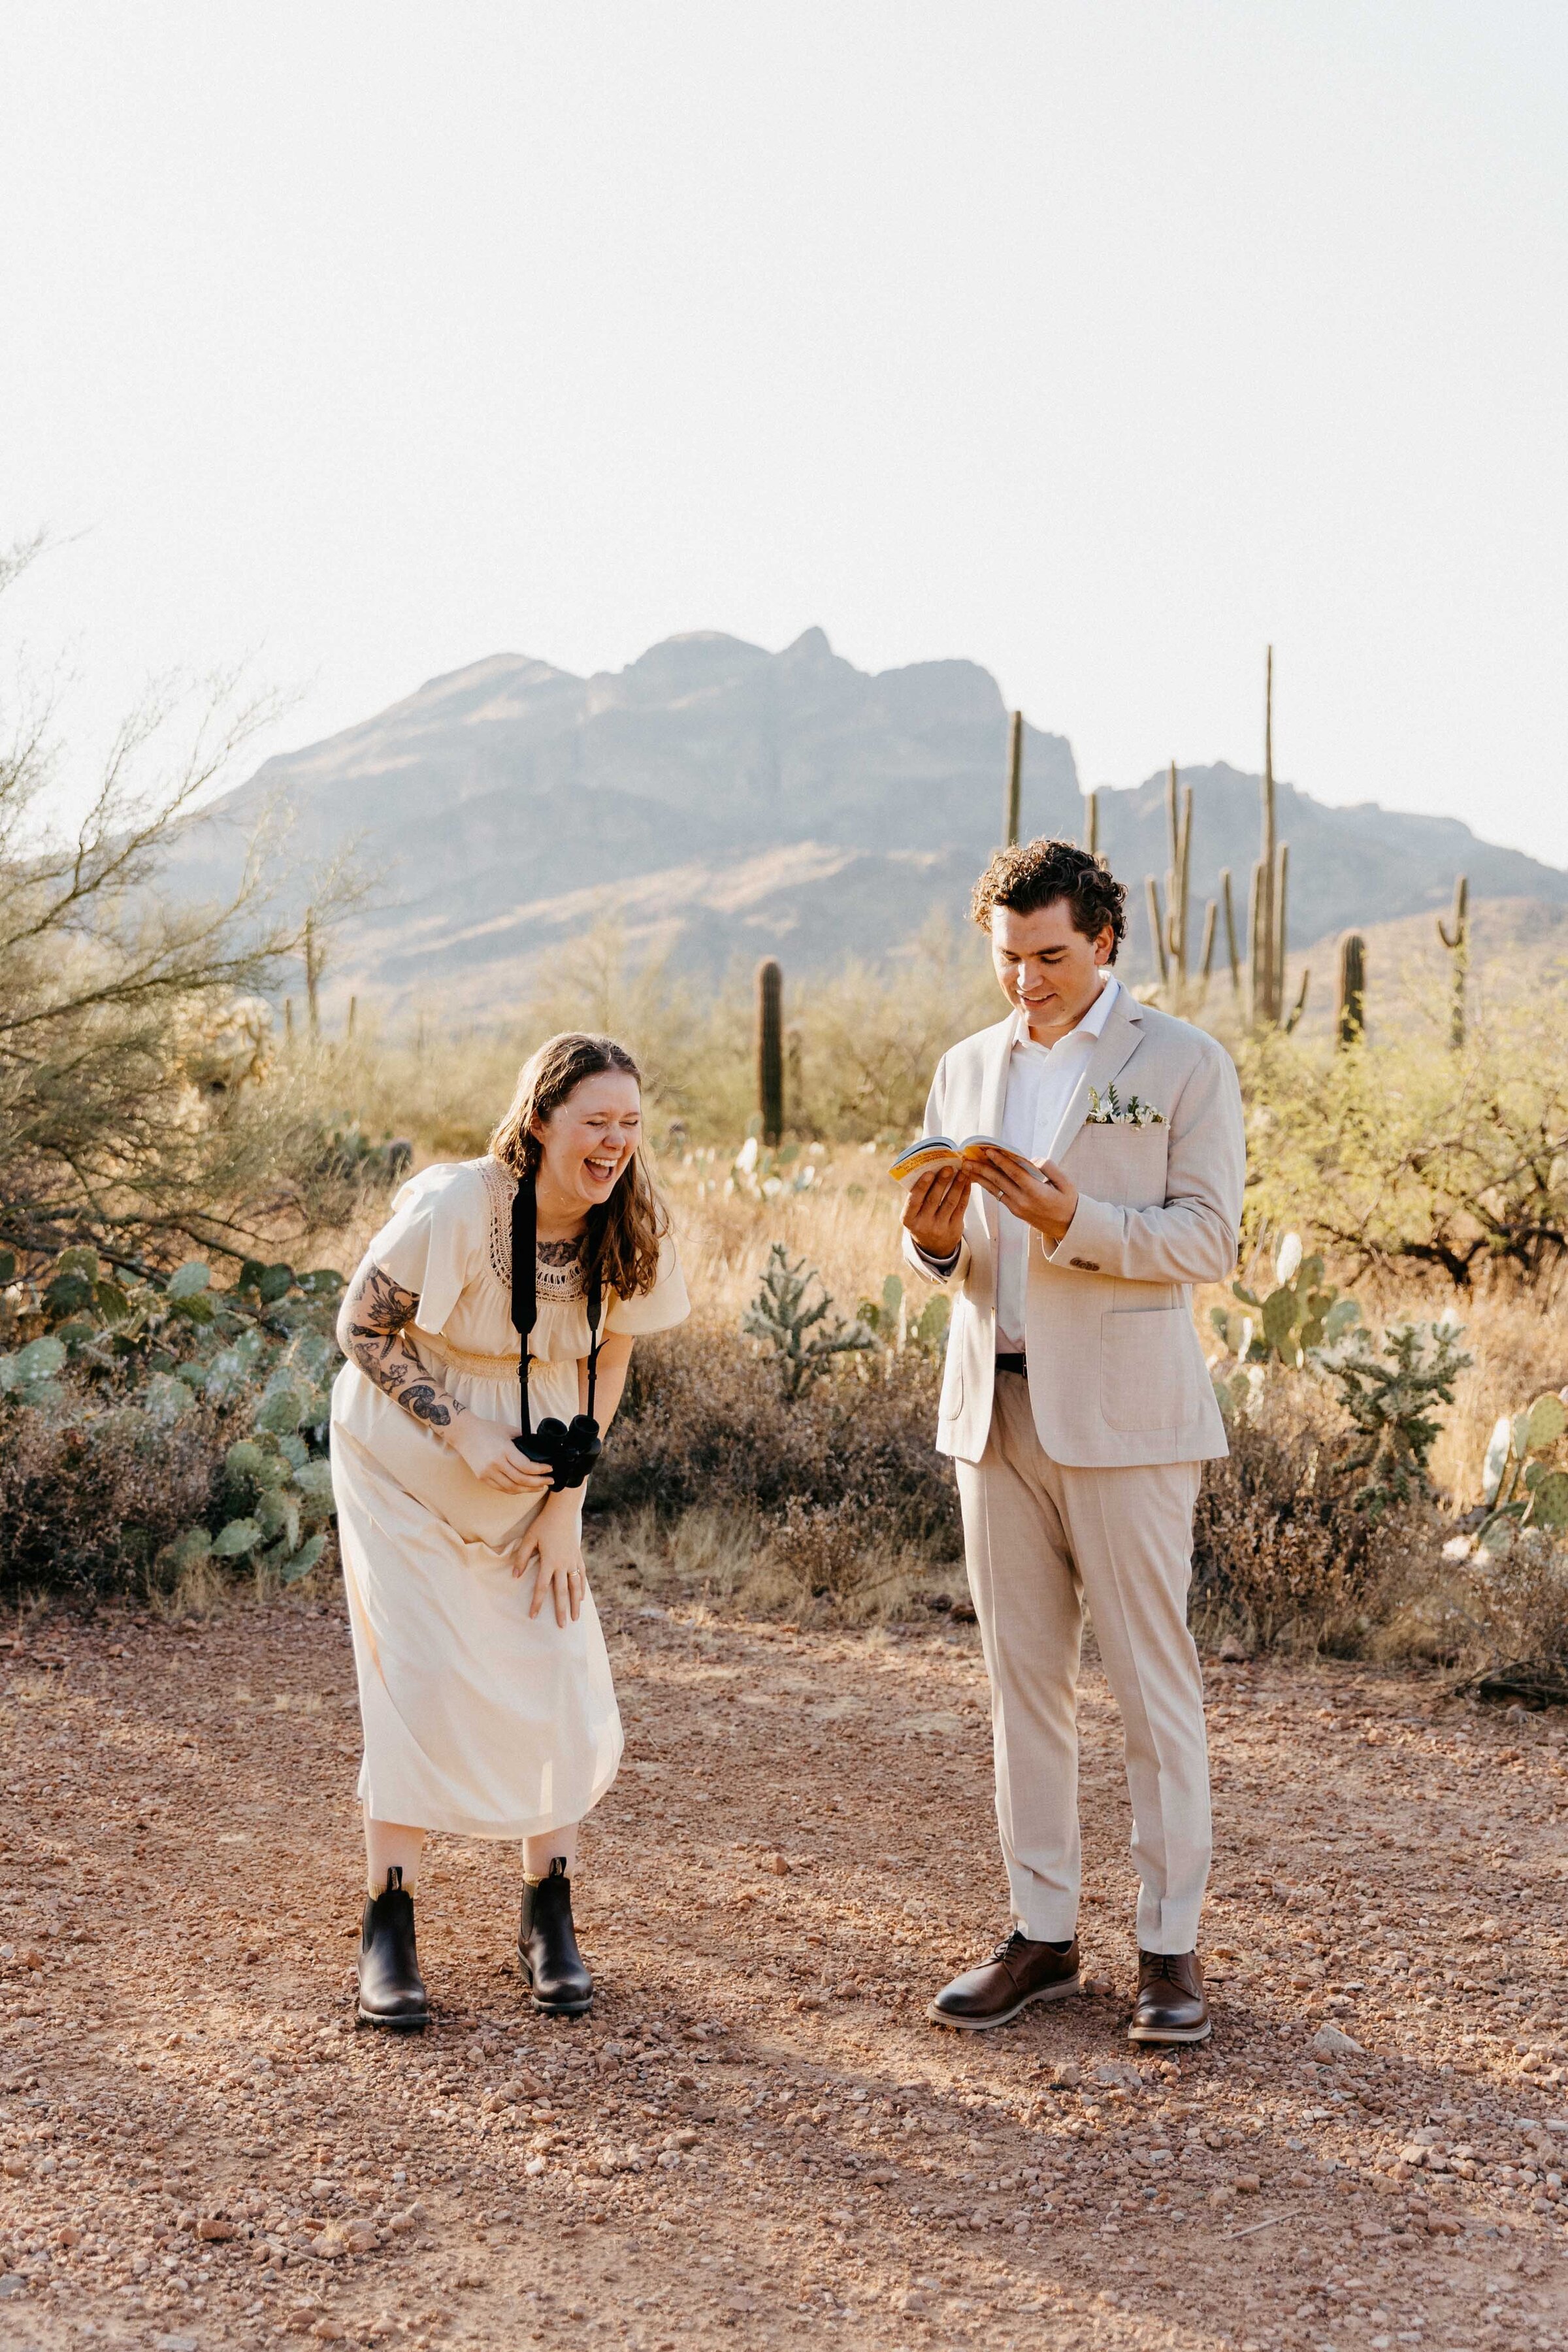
(1124, 1164)
(1147, 1375)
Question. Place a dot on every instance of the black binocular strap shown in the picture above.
(525, 1289)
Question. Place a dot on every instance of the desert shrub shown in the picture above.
(862, 1045)
(1410, 1158)
(91, 1493)
(136, 1111)
(705, 1425)
(1518, 1600)
(1282, 1552)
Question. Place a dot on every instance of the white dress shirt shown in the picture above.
(1041, 1083)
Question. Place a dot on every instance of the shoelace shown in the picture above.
(1008, 1946)
(1161, 1967)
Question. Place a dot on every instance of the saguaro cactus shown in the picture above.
(315, 965)
(1091, 823)
(1232, 949)
(770, 1049)
(1267, 930)
(1457, 940)
(1015, 781)
(1350, 1000)
(1157, 933)
(1172, 931)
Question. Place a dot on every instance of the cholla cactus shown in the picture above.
(763, 1175)
(1389, 1392)
(787, 1318)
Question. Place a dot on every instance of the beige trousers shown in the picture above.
(1041, 1541)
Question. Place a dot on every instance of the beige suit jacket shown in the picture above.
(1116, 1369)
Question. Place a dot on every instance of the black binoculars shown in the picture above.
(571, 1448)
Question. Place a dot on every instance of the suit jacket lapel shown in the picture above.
(996, 1054)
(1122, 1036)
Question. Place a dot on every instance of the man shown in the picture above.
(1078, 1408)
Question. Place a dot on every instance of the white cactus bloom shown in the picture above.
(1288, 1257)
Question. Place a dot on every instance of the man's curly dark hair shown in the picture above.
(1037, 873)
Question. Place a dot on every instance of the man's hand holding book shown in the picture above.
(939, 1174)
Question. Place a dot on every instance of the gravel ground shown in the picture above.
(758, 2137)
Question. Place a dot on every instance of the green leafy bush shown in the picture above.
(1413, 1157)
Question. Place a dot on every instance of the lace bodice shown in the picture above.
(558, 1266)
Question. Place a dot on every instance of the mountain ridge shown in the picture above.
(728, 802)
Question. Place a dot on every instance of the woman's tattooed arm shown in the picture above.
(371, 1320)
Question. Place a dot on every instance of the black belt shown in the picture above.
(1019, 1364)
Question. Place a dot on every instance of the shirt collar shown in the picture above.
(1091, 1025)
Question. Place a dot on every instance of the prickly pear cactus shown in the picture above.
(143, 1351)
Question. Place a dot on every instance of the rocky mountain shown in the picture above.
(723, 802)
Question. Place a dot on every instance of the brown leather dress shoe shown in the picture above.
(1017, 1973)
(1171, 2004)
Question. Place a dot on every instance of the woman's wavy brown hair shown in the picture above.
(634, 1221)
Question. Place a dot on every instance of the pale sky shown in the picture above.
(1100, 343)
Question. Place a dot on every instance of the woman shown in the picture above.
(484, 1683)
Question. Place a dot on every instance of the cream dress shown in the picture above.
(478, 1718)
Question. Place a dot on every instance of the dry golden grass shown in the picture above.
(737, 1562)
(846, 1224)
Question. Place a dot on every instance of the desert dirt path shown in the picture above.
(758, 2138)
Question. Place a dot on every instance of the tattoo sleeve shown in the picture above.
(374, 1315)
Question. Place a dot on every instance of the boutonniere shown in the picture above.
(1107, 1109)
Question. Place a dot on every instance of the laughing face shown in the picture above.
(588, 1141)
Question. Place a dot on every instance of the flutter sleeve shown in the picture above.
(435, 1241)
(657, 1310)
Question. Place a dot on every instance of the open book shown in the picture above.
(941, 1151)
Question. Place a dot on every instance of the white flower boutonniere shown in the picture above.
(1107, 1109)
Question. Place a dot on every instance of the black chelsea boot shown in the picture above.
(547, 1946)
(391, 1989)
